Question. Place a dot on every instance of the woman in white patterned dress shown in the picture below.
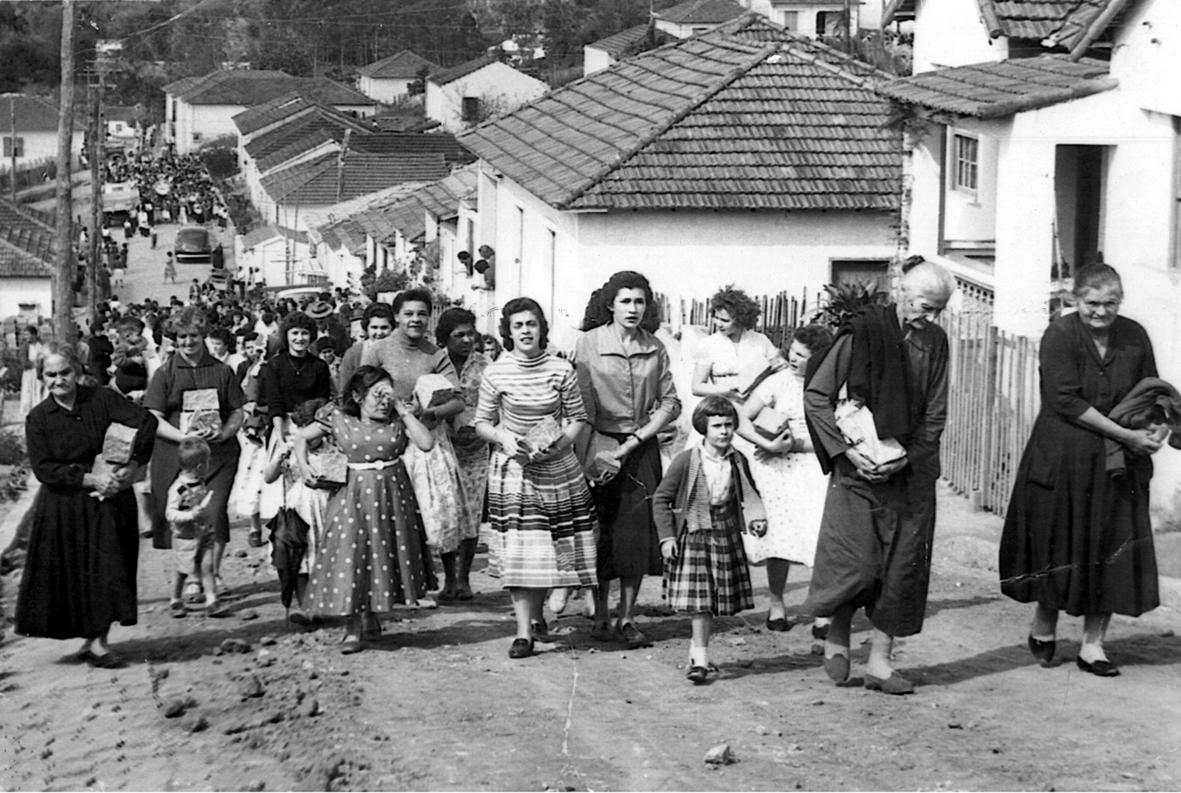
(786, 473)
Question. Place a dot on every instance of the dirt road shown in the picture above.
(437, 704)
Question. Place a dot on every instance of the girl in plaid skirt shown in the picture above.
(703, 504)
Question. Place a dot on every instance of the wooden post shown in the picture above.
(97, 135)
(12, 127)
(63, 282)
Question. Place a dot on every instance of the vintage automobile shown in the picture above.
(193, 246)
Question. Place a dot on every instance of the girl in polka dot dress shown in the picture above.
(373, 554)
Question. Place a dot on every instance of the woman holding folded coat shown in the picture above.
(1077, 535)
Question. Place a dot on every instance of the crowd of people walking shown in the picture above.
(375, 462)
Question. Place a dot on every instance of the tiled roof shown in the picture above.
(314, 139)
(260, 234)
(402, 65)
(398, 143)
(1065, 22)
(444, 76)
(302, 127)
(33, 113)
(746, 116)
(283, 106)
(117, 112)
(249, 87)
(701, 12)
(619, 43)
(27, 245)
(994, 90)
(441, 199)
(321, 182)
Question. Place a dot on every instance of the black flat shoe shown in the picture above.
(540, 630)
(779, 625)
(820, 632)
(521, 648)
(1042, 651)
(837, 668)
(697, 675)
(111, 661)
(1103, 668)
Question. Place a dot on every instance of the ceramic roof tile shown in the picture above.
(619, 43)
(322, 182)
(746, 116)
(1063, 22)
(444, 76)
(28, 246)
(994, 90)
(32, 113)
(701, 12)
(250, 87)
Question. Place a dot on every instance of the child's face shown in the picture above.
(719, 431)
(328, 355)
(197, 470)
(130, 336)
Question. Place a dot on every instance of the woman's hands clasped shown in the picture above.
(1146, 441)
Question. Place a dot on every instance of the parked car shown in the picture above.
(193, 246)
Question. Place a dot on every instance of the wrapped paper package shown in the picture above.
(749, 376)
(118, 444)
(330, 466)
(200, 410)
(598, 463)
(770, 423)
(543, 434)
(855, 422)
(432, 390)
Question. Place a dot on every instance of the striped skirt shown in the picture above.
(710, 572)
(544, 521)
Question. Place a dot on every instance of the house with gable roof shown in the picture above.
(463, 95)
(198, 109)
(1060, 150)
(757, 157)
(28, 253)
(35, 141)
(389, 79)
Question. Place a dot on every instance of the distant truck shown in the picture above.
(119, 197)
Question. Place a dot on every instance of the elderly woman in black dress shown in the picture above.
(80, 574)
(1077, 535)
(191, 368)
(627, 388)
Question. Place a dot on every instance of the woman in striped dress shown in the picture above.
(538, 500)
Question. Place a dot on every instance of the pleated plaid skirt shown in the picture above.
(710, 572)
(544, 521)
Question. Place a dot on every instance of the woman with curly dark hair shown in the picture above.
(373, 556)
(294, 375)
(627, 388)
(732, 347)
(456, 333)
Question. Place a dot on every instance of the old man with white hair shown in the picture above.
(874, 548)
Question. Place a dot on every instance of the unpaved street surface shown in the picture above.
(437, 704)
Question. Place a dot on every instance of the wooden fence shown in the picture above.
(992, 403)
(780, 314)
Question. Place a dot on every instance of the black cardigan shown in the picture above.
(288, 384)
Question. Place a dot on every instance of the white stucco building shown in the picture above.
(36, 131)
(694, 187)
(1026, 168)
(388, 80)
(199, 109)
(462, 96)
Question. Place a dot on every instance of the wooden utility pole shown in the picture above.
(12, 166)
(94, 148)
(63, 281)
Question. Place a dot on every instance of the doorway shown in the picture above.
(1078, 190)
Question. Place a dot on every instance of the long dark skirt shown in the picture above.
(874, 549)
(80, 571)
(1079, 541)
(628, 546)
(223, 467)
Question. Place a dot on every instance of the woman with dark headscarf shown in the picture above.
(627, 388)
(80, 573)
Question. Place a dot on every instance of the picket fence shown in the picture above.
(992, 404)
